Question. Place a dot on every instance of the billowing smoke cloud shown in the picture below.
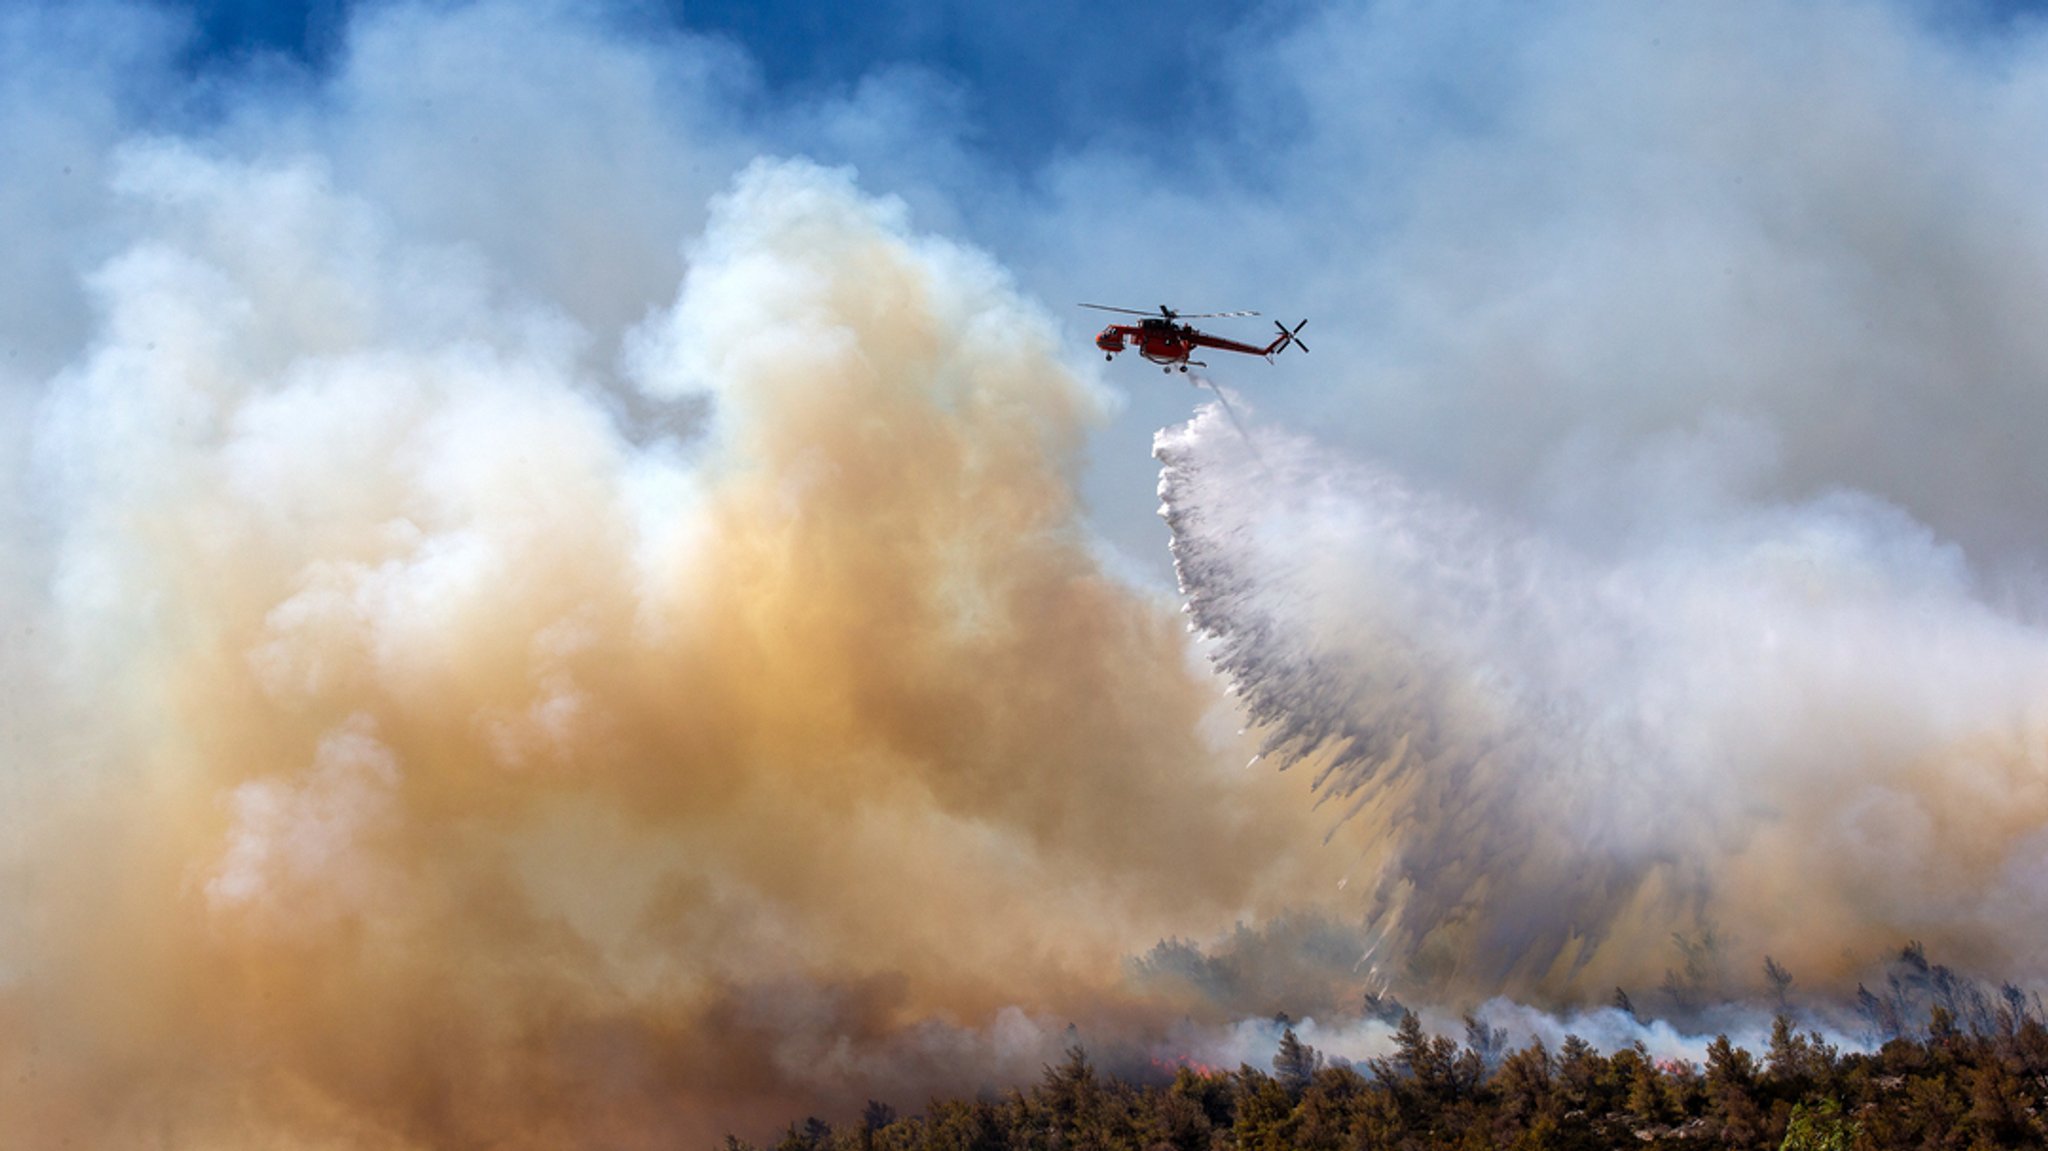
(456, 719)
(528, 625)
(1790, 730)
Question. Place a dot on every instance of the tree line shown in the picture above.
(1962, 1083)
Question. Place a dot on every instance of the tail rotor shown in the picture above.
(1287, 337)
(1293, 336)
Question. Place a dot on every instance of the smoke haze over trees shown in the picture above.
(1947, 1087)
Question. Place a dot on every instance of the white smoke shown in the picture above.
(1541, 244)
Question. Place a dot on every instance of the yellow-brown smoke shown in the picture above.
(440, 754)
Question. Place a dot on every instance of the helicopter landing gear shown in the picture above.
(1109, 355)
(1183, 367)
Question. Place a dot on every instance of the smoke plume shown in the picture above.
(536, 617)
(443, 754)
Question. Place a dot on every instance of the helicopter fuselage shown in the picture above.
(1159, 342)
(1163, 341)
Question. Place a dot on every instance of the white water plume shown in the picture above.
(1795, 731)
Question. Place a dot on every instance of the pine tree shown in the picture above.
(1265, 1113)
(1779, 979)
(1296, 1063)
(1489, 1044)
(1580, 1068)
(1069, 1094)
(1731, 1080)
(1523, 1086)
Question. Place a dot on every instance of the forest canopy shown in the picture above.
(1955, 1084)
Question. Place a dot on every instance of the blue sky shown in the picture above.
(1031, 78)
(1035, 73)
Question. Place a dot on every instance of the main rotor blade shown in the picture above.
(1169, 313)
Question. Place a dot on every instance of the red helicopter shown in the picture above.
(1162, 340)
